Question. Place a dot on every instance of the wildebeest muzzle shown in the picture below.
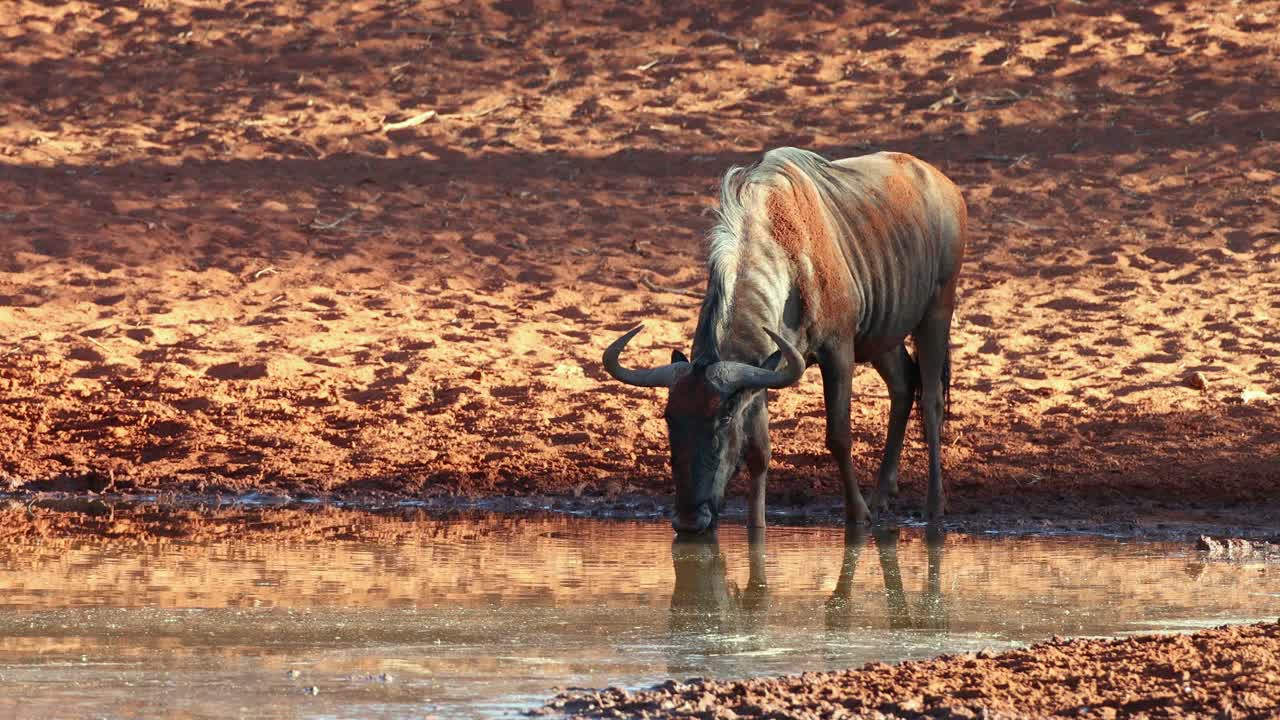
(700, 520)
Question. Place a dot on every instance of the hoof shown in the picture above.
(888, 487)
(858, 516)
(879, 504)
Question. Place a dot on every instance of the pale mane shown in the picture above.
(877, 250)
(726, 246)
(724, 243)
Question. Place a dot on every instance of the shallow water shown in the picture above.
(490, 614)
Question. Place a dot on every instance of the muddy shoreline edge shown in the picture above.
(1138, 521)
(1231, 671)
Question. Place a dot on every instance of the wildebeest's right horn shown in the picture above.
(664, 376)
(731, 376)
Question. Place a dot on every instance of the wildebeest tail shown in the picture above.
(918, 386)
(946, 381)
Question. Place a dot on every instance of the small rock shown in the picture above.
(386, 678)
(1208, 544)
(293, 674)
(569, 371)
(572, 438)
(313, 690)
(1227, 548)
(1196, 380)
(1252, 395)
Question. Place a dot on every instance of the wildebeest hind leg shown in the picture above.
(758, 453)
(932, 345)
(900, 376)
(837, 386)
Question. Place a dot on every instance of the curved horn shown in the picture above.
(664, 376)
(729, 376)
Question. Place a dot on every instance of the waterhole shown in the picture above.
(487, 615)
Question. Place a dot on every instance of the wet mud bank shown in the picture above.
(168, 513)
(1227, 672)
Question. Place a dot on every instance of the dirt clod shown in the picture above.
(1082, 678)
(1236, 548)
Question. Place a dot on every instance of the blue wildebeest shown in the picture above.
(830, 262)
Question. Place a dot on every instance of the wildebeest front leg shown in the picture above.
(837, 386)
(758, 454)
(899, 373)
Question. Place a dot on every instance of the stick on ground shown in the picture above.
(411, 122)
(659, 288)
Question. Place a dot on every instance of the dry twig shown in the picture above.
(477, 114)
(317, 225)
(1025, 224)
(1011, 159)
(411, 122)
(659, 288)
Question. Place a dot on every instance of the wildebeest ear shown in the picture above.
(773, 361)
(677, 356)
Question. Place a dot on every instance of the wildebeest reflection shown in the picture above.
(709, 612)
(927, 613)
(713, 616)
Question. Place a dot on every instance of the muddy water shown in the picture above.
(485, 616)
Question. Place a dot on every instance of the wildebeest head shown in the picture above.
(707, 408)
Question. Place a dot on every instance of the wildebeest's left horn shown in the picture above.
(664, 376)
(730, 376)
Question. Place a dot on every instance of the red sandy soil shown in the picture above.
(219, 273)
(151, 523)
(1229, 672)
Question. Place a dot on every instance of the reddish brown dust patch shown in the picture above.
(218, 272)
